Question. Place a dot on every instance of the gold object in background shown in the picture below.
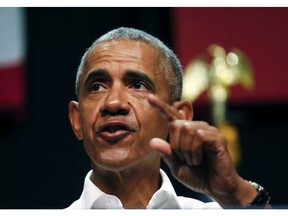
(223, 71)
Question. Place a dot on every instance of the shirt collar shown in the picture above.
(93, 197)
(165, 197)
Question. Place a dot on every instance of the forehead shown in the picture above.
(124, 52)
(119, 57)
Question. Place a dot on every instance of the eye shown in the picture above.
(96, 87)
(138, 85)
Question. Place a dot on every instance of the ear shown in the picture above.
(74, 118)
(185, 107)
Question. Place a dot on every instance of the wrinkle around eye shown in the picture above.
(139, 85)
(96, 87)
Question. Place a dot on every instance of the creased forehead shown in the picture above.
(131, 54)
(168, 61)
(124, 50)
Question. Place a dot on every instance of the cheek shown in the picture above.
(88, 112)
(88, 116)
(151, 123)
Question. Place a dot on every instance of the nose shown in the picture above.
(115, 102)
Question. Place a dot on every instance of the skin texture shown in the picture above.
(117, 97)
(123, 117)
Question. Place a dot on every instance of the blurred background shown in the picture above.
(43, 165)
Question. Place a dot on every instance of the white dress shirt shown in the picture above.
(164, 198)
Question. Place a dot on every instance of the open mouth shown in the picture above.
(114, 131)
(114, 128)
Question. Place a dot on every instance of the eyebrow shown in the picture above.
(97, 74)
(130, 74)
(140, 76)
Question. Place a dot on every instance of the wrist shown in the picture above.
(245, 195)
(238, 196)
(262, 198)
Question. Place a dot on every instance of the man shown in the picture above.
(130, 114)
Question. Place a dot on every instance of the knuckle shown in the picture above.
(173, 126)
(186, 128)
(213, 128)
(203, 123)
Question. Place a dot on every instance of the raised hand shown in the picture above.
(198, 157)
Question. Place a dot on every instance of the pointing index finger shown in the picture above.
(169, 112)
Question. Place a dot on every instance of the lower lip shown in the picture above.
(114, 136)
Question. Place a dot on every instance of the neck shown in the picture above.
(133, 186)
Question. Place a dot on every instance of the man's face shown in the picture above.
(116, 118)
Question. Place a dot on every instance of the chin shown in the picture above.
(116, 160)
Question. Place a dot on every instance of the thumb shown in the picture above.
(161, 146)
(165, 150)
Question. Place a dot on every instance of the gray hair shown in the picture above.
(169, 64)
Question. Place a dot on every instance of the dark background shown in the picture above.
(43, 165)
